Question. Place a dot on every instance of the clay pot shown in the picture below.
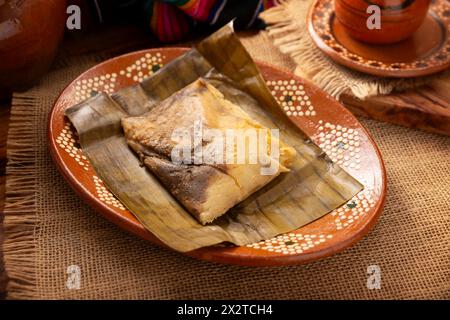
(399, 19)
(30, 32)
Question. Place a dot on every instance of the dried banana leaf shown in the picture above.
(314, 187)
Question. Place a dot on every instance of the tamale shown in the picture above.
(313, 187)
(210, 186)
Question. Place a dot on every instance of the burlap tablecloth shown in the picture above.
(49, 228)
(288, 26)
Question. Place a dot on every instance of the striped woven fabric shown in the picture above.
(172, 20)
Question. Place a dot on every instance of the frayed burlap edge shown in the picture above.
(20, 221)
(287, 26)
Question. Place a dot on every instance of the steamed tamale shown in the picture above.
(216, 172)
(313, 187)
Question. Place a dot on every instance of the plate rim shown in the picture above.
(218, 255)
(336, 57)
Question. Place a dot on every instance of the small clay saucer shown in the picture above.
(321, 117)
(427, 51)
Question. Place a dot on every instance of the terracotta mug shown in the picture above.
(30, 32)
(399, 19)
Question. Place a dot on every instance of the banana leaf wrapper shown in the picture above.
(314, 187)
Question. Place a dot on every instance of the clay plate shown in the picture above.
(426, 52)
(330, 125)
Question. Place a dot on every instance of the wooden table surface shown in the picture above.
(109, 42)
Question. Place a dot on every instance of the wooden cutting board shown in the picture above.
(426, 108)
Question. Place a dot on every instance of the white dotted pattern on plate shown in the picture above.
(144, 67)
(138, 71)
(86, 87)
(357, 207)
(292, 97)
(291, 243)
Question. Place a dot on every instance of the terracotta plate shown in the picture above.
(426, 52)
(332, 127)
